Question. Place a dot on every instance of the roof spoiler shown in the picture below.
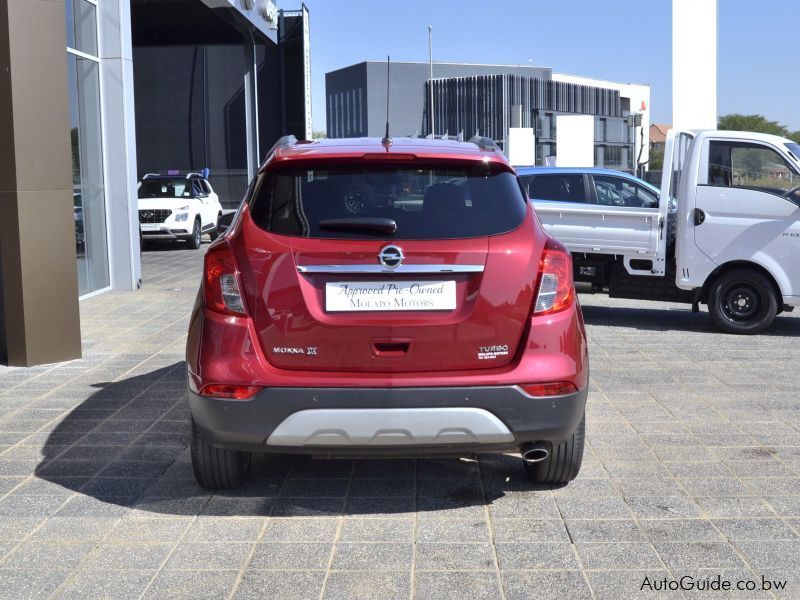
(286, 141)
(484, 143)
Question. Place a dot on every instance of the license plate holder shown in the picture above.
(390, 296)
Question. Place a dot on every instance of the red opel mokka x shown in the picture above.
(383, 298)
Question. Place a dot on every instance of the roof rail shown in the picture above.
(484, 143)
(190, 175)
(147, 175)
(286, 141)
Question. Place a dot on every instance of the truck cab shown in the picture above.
(725, 229)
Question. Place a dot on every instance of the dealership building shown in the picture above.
(488, 100)
(95, 93)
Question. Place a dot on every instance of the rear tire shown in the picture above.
(217, 468)
(742, 301)
(197, 234)
(564, 461)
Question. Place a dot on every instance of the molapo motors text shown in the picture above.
(711, 584)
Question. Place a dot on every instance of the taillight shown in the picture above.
(556, 289)
(224, 390)
(221, 281)
(557, 388)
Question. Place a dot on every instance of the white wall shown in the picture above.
(521, 146)
(574, 141)
(694, 64)
(637, 93)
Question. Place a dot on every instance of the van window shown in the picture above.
(423, 201)
(753, 166)
(559, 188)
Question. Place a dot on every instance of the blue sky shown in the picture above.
(621, 40)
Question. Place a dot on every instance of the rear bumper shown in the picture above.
(387, 420)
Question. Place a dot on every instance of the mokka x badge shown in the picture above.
(308, 350)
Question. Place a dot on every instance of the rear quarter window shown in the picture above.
(425, 202)
(558, 188)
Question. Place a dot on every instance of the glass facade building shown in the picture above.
(89, 199)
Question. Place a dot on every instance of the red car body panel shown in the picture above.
(554, 350)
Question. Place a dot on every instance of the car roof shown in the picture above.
(358, 147)
(571, 170)
(181, 176)
(580, 171)
(744, 136)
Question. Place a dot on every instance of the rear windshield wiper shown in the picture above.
(367, 224)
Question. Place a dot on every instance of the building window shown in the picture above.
(89, 202)
(82, 26)
(600, 130)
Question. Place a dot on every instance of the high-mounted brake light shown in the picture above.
(556, 288)
(221, 281)
(557, 388)
(389, 156)
(224, 390)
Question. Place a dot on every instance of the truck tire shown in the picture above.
(217, 468)
(742, 301)
(564, 459)
(197, 234)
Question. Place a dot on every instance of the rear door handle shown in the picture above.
(699, 216)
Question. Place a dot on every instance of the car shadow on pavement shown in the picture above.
(673, 319)
(125, 450)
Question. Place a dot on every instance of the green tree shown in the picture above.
(657, 159)
(757, 123)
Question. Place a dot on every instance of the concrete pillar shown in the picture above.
(37, 233)
(119, 144)
(694, 64)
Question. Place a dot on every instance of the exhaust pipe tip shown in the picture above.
(534, 453)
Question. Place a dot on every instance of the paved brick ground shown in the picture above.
(692, 469)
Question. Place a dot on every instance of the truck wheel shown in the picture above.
(217, 468)
(197, 233)
(742, 301)
(563, 461)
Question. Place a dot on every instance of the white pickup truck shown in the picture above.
(724, 230)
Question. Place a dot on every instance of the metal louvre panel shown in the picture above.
(483, 104)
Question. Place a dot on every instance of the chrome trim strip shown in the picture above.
(402, 269)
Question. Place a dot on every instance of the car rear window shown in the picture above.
(425, 202)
